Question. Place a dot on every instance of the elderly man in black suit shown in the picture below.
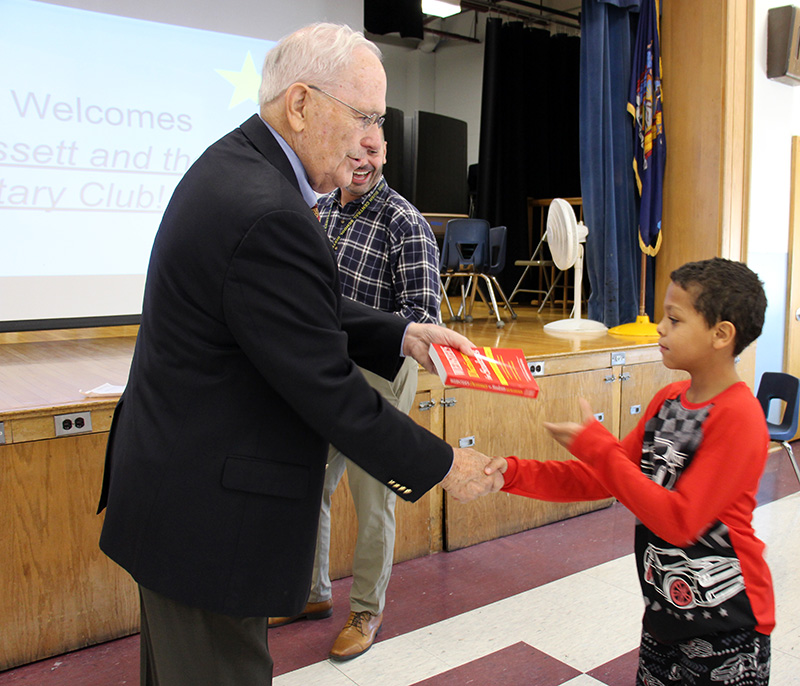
(245, 370)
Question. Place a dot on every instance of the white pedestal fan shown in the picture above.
(566, 236)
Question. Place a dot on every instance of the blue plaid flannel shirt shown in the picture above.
(388, 258)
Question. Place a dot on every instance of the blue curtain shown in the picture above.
(608, 186)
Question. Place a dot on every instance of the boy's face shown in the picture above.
(685, 337)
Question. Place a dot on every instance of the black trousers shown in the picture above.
(186, 646)
(740, 657)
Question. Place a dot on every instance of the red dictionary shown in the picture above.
(501, 370)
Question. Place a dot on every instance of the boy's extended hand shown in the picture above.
(566, 432)
(496, 468)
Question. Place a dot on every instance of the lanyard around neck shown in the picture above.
(361, 209)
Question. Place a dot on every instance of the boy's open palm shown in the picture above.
(566, 432)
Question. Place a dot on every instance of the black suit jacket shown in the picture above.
(244, 370)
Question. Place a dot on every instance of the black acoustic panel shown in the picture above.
(393, 16)
(440, 167)
(396, 156)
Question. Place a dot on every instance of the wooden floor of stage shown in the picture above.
(527, 332)
(49, 368)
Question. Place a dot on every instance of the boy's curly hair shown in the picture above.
(724, 290)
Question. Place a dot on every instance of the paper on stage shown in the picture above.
(105, 389)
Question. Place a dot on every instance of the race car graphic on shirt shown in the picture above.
(686, 582)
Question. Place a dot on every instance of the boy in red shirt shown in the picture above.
(689, 472)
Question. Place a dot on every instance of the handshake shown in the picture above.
(473, 474)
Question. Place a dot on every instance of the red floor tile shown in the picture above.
(518, 664)
(620, 671)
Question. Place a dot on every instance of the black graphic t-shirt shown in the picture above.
(689, 473)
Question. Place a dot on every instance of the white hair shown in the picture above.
(317, 54)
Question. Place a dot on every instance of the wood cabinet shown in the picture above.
(509, 425)
(59, 591)
(612, 382)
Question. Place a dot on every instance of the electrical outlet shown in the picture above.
(74, 423)
(537, 368)
(617, 359)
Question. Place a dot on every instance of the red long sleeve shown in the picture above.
(694, 503)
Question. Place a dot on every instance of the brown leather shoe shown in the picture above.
(310, 611)
(357, 636)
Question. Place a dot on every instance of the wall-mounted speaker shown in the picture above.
(783, 44)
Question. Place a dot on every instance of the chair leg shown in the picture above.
(503, 295)
(790, 453)
(495, 308)
(447, 300)
(472, 287)
(550, 290)
(519, 283)
(461, 315)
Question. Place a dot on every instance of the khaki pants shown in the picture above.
(374, 504)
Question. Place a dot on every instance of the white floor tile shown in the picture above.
(584, 620)
(319, 673)
(785, 669)
(471, 635)
(583, 680)
(398, 661)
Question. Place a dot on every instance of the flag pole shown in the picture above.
(642, 327)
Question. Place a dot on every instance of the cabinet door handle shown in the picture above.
(609, 379)
(447, 402)
(426, 405)
(624, 376)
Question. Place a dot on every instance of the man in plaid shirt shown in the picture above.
(388, 259)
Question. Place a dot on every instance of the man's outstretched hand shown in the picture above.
(419, 337)
(467, 479)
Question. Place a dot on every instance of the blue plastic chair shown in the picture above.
(786, 388)
(473, 250)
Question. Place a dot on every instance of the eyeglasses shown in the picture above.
(367, 120)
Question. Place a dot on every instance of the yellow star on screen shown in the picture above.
(246, 82)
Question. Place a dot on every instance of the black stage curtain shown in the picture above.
(529, 129)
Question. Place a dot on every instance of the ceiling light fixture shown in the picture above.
(441, 8)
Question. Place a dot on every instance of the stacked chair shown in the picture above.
(473, 251)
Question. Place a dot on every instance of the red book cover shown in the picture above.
(501, 370)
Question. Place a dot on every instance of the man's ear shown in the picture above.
(296, 101)
(724, 334)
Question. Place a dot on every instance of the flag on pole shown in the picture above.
(645, 106)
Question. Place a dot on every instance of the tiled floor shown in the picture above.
(555, 605)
